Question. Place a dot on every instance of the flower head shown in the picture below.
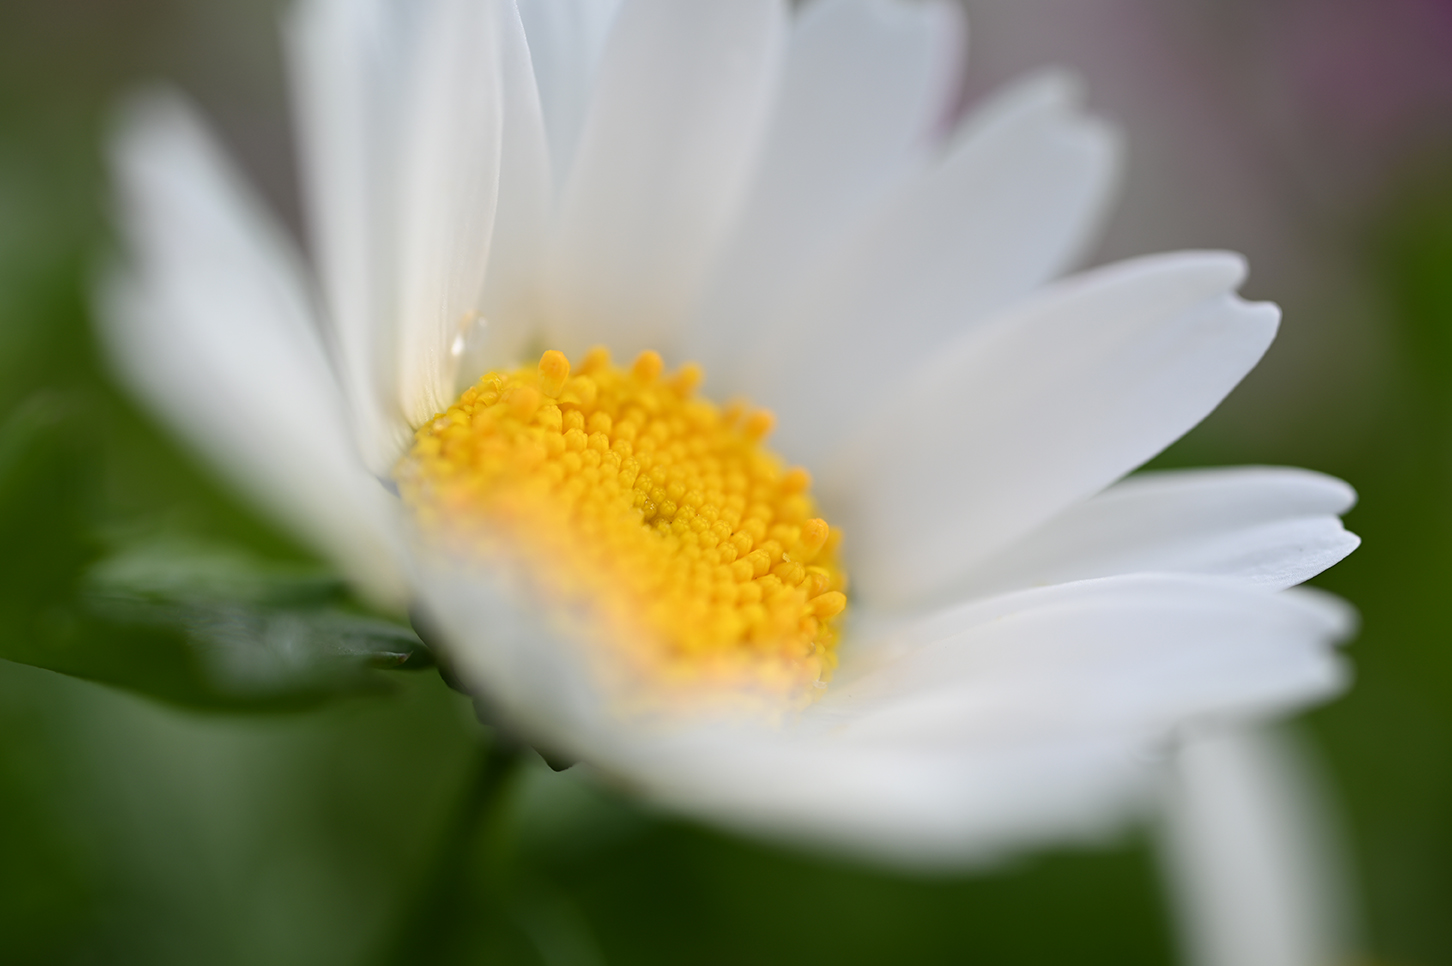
(922, 619)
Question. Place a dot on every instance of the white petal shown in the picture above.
(1042, 407)
(1268, 527)
(215, 329)
(511, 288)
(920, 802)
(1250, 855)
(346, 63)
(680, 105)
(997, 726)
(1132, 652)
(566, 39)
(1009, 208)
(864, 86)
(502, 641)
(448, 181)
(914, 806)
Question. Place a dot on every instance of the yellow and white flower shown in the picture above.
(972, 637)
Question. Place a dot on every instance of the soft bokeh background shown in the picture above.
(1314, 135)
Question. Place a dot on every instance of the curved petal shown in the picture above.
(912, 805)
(566, 39)
(954, 738)
(679, 108)
(1037, 410)
(1250, 855)
(521, 224)
(1136, 651)
(990, 727)
(449, 167)
(1268, 527)
(1009, 208)
(503, 641)
(214, 328)
(346, 64)
(864, 85)
(925, 802)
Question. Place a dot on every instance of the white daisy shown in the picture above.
(777, 196)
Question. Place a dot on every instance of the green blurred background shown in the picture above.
(298, 819)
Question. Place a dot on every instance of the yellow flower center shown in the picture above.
(676, 546)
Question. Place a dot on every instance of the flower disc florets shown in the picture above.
(682, 551)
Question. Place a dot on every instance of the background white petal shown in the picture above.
(1036, 410)
(1011, 206)
(511, 287)
(865, 90)
(680, 104)
(566, 40)
(450, 140)
(1250, 854)
(1269, 527)
(346, 62)
(213, 325)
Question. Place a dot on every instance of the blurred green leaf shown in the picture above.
(169, 616)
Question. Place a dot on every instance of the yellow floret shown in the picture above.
(682, 550)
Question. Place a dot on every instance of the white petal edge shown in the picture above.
(212, 325)
(510, 306)
(1013, 204)
(450, 129)
(680, 105)
(1036, 410)
(1139, 650)
(1267, 527)
(566, 40)
(346, 62)
(1036, 719)
(1250, 854)
(865, 85)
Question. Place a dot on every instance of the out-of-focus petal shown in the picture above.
(864, 86)
(680, 105)
(449, 166)
(566, 40)
(346, 68)
(1132, 651)
(1269, 527)
(1008, 209)
(990, 727)
(521, 224)
(953, 738)
(213, 326)
(1044, 406)
(1250, 856)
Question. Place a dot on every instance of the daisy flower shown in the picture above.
(901, 601)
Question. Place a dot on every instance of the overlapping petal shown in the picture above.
(1268, 527)
(947, 738)
(681, 101)
(1043, 407)
(510, 300)
(212, 324)
(1009, 207)
(566, 40)
(1029, 716)
(865, 87)
(346, 70)
(450, 134)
